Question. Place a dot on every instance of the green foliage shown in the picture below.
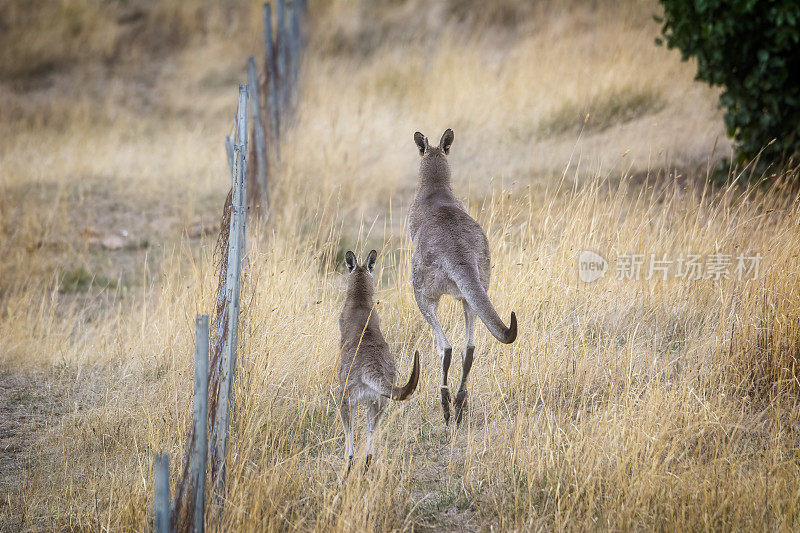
(750, 48)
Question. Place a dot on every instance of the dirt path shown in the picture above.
(29, 401)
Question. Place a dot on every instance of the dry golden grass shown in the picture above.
(622, 405)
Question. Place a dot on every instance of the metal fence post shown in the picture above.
(235, 241)
(258, 126)
(161, 502)
(229, 150)
(200, 418)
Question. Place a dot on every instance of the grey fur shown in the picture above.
(366, 367)
(451, 256)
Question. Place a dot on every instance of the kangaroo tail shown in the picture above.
(403, 393)
(477, 298)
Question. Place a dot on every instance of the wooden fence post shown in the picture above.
(302, 9)
(200, 418)
(188, 513)
(282, 53)
(161, 502)
(294, 47)
(235, 242)
(258, 126)
(271, 70)
(241, 230)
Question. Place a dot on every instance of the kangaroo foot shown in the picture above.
(448, 354)
(446, 404)
(461, 396)
(461, 405)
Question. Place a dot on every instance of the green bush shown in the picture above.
(750, 48)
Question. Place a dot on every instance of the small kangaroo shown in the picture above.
(366, 369)
(451, 256)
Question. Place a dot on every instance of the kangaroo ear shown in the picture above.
(422, 142)
(371, 258)
(350, 261)
(447, 140)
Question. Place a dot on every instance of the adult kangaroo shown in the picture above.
(366, 368)
(451, 256)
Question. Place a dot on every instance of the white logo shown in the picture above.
(591, 266)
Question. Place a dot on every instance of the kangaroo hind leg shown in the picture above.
(375, 411)
(427, 307)
(348, 414)
(466, 359)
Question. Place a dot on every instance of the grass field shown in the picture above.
(624, 404)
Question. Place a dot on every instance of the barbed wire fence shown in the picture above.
(276, 93)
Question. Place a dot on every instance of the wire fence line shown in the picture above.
(207, 446)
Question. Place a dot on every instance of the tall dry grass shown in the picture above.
(622, 405)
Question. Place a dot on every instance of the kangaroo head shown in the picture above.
(426, 150)
(360, 282)
(433, 167)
